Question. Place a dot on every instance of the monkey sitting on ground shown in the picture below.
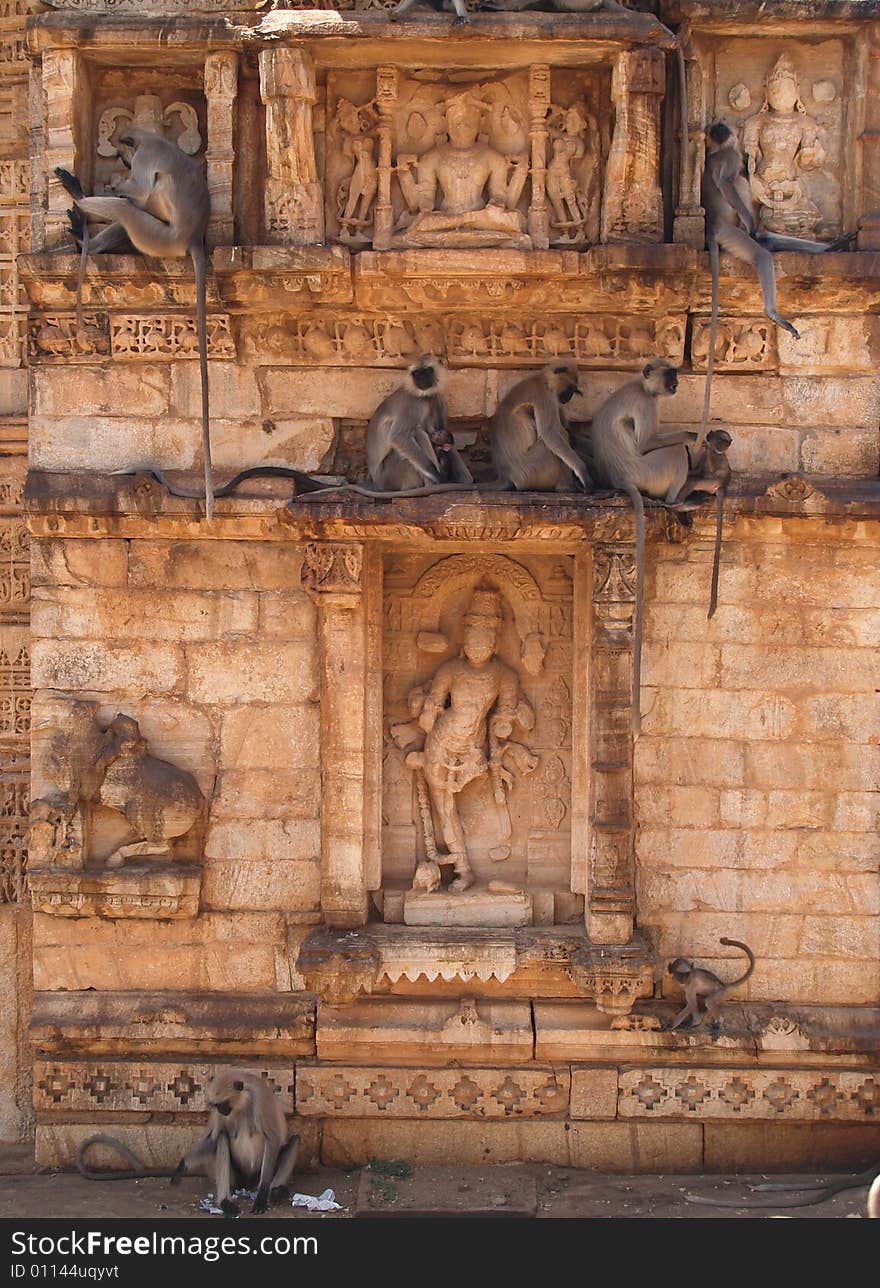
(531, 448)
(704, 985)
(163, 208)
(407, 428)
(246, 1142)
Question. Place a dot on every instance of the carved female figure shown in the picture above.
(780, 142)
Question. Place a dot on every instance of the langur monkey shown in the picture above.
(730, 225)
(531, 448)
(246, 1141)
(631, 454)
(704, 984)
(406, 430)
(163, 208)
(462, 17)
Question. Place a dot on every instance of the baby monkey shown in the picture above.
(246, 1143)
(704, 985)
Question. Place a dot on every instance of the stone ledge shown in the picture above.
(162, 891)
(132, 1024)
(129, 505)
(385, 1030)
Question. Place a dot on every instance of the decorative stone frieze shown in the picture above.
(776, 1095)
(109, 1086)
(347, 1091)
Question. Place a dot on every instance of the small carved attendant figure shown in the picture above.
(468, 715)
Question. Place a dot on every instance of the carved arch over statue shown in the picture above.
(531, 612)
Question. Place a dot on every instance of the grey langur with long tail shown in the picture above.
(246, 1142)
(631, 454)
(730, 225)
(162, 208)
(704, 986)
(531, 448)
(408, 441)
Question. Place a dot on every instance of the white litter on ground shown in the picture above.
(325, 1202)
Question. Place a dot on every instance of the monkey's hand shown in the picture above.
(461, 21)
(70, 182)
(261, 1202)
(179, 1171)
(229, 1208)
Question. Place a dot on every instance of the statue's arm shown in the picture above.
(435, 699)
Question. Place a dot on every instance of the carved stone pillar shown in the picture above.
(539, 105)
(387, 85)
(611, 897)
(294, 201)
(869, 223)
(689, 226)
(221, 88)
(632, 207)
(337, 575)
(67, 131)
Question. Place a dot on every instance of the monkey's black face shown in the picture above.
(566, 394)
(719, 439)
(424, 377)
(670, 380)
(719, 133)
(680, 969)
(224, 1107)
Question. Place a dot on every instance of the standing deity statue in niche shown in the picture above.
(572, 177)
(479, 187)
(781, 143)
(467, 714)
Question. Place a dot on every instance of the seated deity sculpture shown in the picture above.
(781, 143)
(463, 192)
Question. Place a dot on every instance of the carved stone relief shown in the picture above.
(471, 781)
(394, 340)
(172, 113)
(105, 799)
(788, 109)
(512, 161)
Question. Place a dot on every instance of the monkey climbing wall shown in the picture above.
(505, 196)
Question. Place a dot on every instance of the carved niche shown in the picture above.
(477, 778)
(511, 161)
(178, 114)
(787, 106)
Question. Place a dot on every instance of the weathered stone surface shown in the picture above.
(358, 392)
(222, 951)
(144, 1023)
(261, 885)
(593, 1093)
(258, 793)
(101, 391)
(283, 737)
(97, 666)
(830, 1095)
(416, 1032)
(58, 563)
(215, 565)
(246, 671)
(472, 908)
(98, 614)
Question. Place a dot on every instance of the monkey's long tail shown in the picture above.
(136, 1172)
(715, 264)
(735, 943)
(684, 162)
(716, 558)
(199, 259)
(639, 509)
(821, 1192)
(309, 484)
(83, 256)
